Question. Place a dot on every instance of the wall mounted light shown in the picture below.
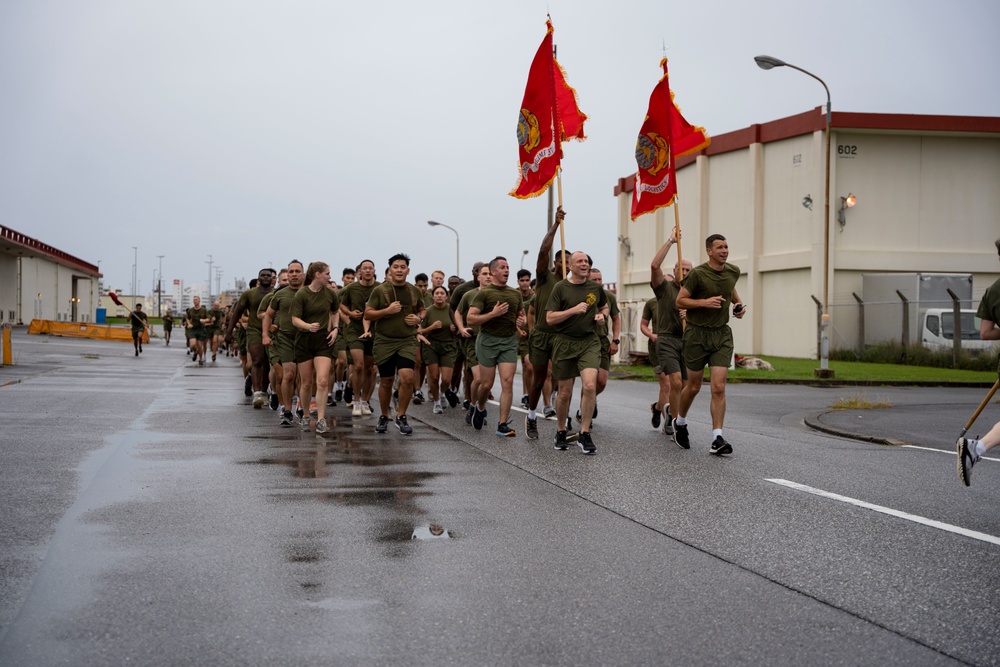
(807, 201)
(845, 203)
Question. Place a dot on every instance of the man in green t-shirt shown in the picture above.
(706, 295)
(455, 295)
(396, 308)
(575, 310)
(168, 326)
(669, 331)
(278, 335)
(360, 339)
(198, 319)
(540, 337)
(970, 450)
(139, 322)
(498, 310)
(248, 303)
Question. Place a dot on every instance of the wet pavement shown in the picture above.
(156, 518)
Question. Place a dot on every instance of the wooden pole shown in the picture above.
(562, 227)
(975, 415)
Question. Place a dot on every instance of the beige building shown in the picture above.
(40, 282)
(927, 192)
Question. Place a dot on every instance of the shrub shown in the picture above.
(917, 355)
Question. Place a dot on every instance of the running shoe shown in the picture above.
(418, 397)
(304, 423)
(720, 447)
(437, 408)
(451, 396)
(668, 420)
(213, 354)
(531, 428)
(657, 415)
(286, 418)
(478, 418)
(321, 426)
(383, 424)
(680, 436)
(299, 413)
(338, 395)
(549, 412)
(561, 444)
(356, 410)
(505, 431)
(466, 404)
(348, 394)
(403, 426)
(468, 414)
(585, 443)
(275, 402)
(330, 403)
(312, 406)
(258, 400)
(966, 459)
(366, 408)
(201, 362)
(524, 401)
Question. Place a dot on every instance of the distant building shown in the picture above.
(38, 281)
(926, 201)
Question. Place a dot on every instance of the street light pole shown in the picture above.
(209, 280)
(458, 264)
(135, 264)
(769, 62)
(523, 255)
(159, 289)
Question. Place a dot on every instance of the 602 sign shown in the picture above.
(847, 150)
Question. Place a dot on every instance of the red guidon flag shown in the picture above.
(549, 115)
(664, 135)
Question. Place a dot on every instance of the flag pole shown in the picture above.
(562, 227)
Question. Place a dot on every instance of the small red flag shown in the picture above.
(664, 135)
(549, 115)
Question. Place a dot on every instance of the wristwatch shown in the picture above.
(616, 341)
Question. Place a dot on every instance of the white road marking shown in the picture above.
(947, 451)
(891, 512)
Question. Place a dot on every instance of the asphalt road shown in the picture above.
(152, 517)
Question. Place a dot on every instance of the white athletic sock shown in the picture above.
(532, 414)
(681, 421)
(716, 433)
(979, 448)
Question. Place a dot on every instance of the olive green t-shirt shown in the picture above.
(456, 297)
(668, 317)
(463, 309)
(545, 282)
(195, 316)
(704, 282)
(355, 297)
(442, 315)
(139, 321)
(649, 312)
(250, 300)
(989, 307)
(315, 307)
(394, 326)
(487, 297)
(281, 303)
(565, 295)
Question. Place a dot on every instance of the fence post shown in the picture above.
(861, 324)
(956, 338)
(906, 321)
(819, 327)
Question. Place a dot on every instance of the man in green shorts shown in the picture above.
(139, 321)
(971, 450)
(646, 324)
(576, 309)
(278, 336)
(670, 368)
(168, 326)
(706, 295)
(523, 331)
(498, 310)
(467, 336)
(198, 319)
(360, 340)
(455, 295)
(248, 303)
(396, 307)
(540, 339)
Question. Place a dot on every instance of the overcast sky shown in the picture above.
(257, 132)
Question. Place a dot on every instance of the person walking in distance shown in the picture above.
(707, 294)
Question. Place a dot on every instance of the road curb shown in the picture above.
(812, 421)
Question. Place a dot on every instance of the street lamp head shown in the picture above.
(432, 223)
(768, 62)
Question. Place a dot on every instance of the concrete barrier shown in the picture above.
(83, 330)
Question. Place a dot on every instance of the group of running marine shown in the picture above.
(307, 340)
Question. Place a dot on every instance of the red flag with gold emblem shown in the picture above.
(664, 135)
(549, 115)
